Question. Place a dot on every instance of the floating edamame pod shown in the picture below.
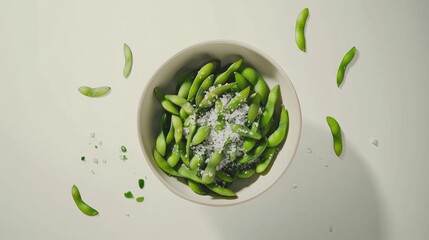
(94, 92)
(223, 77)
(245, 132)
(166, 104)
(268, 112)
(200, 135)
(198, 188)
(237, 100)
(266, 158)
(253, 111)
(83, 207)
(210, 97)
(205, 85)
(281, 132)
(300, 29)
(221, 190)
(161, 143)
(259, 84)
(343, 65)
(336, 134)
(178, 128)
(163, 164)
(128, 60)
(202, 74)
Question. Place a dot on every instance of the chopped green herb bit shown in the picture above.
(123, 149)
(128, 194)
(140, 199)
(141, 183)
(96, 146)
(82, 158)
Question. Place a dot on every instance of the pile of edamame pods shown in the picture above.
(203, 91)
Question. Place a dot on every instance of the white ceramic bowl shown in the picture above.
(190, 58)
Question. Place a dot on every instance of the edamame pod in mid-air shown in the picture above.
(202, 74)
(128, 60)
(94, 92)
(343, 65)
(336, 134)
(300, 29)
(83, 207)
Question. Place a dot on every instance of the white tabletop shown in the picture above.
(49, 48)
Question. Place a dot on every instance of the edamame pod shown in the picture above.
(245, 132)
(94, 92)
(83, 207)
(178, 128)
(248, 157)
(209, 173)
(220, 122)
(161, 143)
(185, 84)
(259, 84)
(163, 164)
(197, 188)
(170, 135)
(196, 162)
(266, 158)
(202, 74)
(207, 83)
(221, 190)
(238, 100)
(300, 29)
(166, 104)
(268, 112)
(224, 177)
(336, 134)
(281, 132)
(174, 157)
(181, 102)
(343, 65)
(192, 128)
(240, 81)
(182, 114)
(246, 173)
(210, 97)
(189, 174)
(253, 111)
(128, 60)
(200, 135)
(223, 77)
(249, 143)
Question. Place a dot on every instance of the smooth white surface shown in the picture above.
(50, 48)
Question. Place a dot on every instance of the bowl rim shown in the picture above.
(144, 92)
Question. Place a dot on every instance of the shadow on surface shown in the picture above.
(320, 196)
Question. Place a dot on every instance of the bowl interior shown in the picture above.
(188, 59)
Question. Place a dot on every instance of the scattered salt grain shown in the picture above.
(294, 186)
(309, 150)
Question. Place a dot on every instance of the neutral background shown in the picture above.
(50, 48)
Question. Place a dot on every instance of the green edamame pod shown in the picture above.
(192, 128)
(249, 143)
(343, 65)
(94, 92)
(259, 84)
(189, 174)
(197, 188)
(163, 164)
(253, 111)
(248, 157)
(281, 132)
(267, 129)
(224, 177)
(210, 97)
(209, 173)
(174, 157)
(166, 104)
(196, 162)
(200, 135)
(237, 100)
(220, 122)
(205, 85)
(300, 29)
(183, 115)
(221, 190)
(181, 102)
(266, 158)
(336, 134)
(170, 135)
(161, 143)
(268, 112)
(83, 207)
(128, 60)
(185, 84)
(240, 81)
(178, 128)
(245, 132)
(246, 173)
(202, 74)
(223, 77)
